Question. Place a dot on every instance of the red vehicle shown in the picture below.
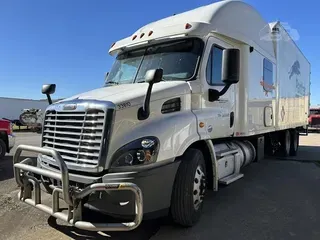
(7, 139)
(314, 117)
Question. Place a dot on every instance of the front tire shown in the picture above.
(3, 148)
(189, 189)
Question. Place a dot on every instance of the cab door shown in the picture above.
(217, 116)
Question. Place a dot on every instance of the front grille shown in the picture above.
(315, 121)
(76, 135)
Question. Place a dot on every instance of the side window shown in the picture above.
(214, 67)
(267, 75)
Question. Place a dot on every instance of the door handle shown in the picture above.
(231, 119)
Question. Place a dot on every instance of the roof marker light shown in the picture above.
(150, 33)
(142, 34)
(188, 26)
(134, 37)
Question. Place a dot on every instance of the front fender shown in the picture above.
(176, 132)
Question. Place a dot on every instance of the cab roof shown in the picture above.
(234, 19)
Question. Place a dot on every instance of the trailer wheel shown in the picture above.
(3, 148)
(285, 141)
(294, 142)
(189, 189)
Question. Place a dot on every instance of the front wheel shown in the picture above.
(189, 189)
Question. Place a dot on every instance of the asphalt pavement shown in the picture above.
(276, 199)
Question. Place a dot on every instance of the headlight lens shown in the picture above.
(139, 152)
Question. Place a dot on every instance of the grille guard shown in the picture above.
(71, 196)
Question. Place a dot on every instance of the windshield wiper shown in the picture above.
(172, 78)
(112, 82)
(142, 81)
(165, 79)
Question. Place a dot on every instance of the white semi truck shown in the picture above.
(189, 101)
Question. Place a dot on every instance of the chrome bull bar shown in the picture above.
(72, 196)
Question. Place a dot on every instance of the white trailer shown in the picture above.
(12, 108)
(189, 101)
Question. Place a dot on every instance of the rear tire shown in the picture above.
(285, 141)
(189, 189)
(3, 148)
(294, 142)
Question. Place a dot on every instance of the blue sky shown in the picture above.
(67, 42)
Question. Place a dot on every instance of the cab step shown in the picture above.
(230, 179)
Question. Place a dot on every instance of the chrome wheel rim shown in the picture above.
(199, 186)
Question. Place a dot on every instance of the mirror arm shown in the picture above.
(144, 112)
(152, 76)
(225, 89)
(214, 94)
(49, 99)
(146, 105)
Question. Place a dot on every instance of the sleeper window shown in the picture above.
(214, 67)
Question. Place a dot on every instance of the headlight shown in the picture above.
(139, 152)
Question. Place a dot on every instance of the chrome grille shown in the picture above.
(315, 121)
(76, 135)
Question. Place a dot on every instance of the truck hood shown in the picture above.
(134, 93)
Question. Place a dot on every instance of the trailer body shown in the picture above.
(12, 108)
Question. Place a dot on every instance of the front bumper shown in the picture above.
(11, 141)
(26, 173)
(155, 182)
(117, 194)
(314, 126)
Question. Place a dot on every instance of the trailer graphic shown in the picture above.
(295, 69)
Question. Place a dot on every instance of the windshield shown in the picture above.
(178, 60)
(314, 111)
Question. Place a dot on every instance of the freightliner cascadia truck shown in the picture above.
(189, 101)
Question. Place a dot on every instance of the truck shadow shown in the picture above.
(146, 229)
(6, 167)
(305, 154)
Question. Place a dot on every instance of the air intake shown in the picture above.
(172, 105)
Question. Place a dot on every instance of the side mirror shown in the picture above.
(154, 75)
(49, 89)
(230, 72)
(230, 66)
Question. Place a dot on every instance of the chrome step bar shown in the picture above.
(72, 196)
